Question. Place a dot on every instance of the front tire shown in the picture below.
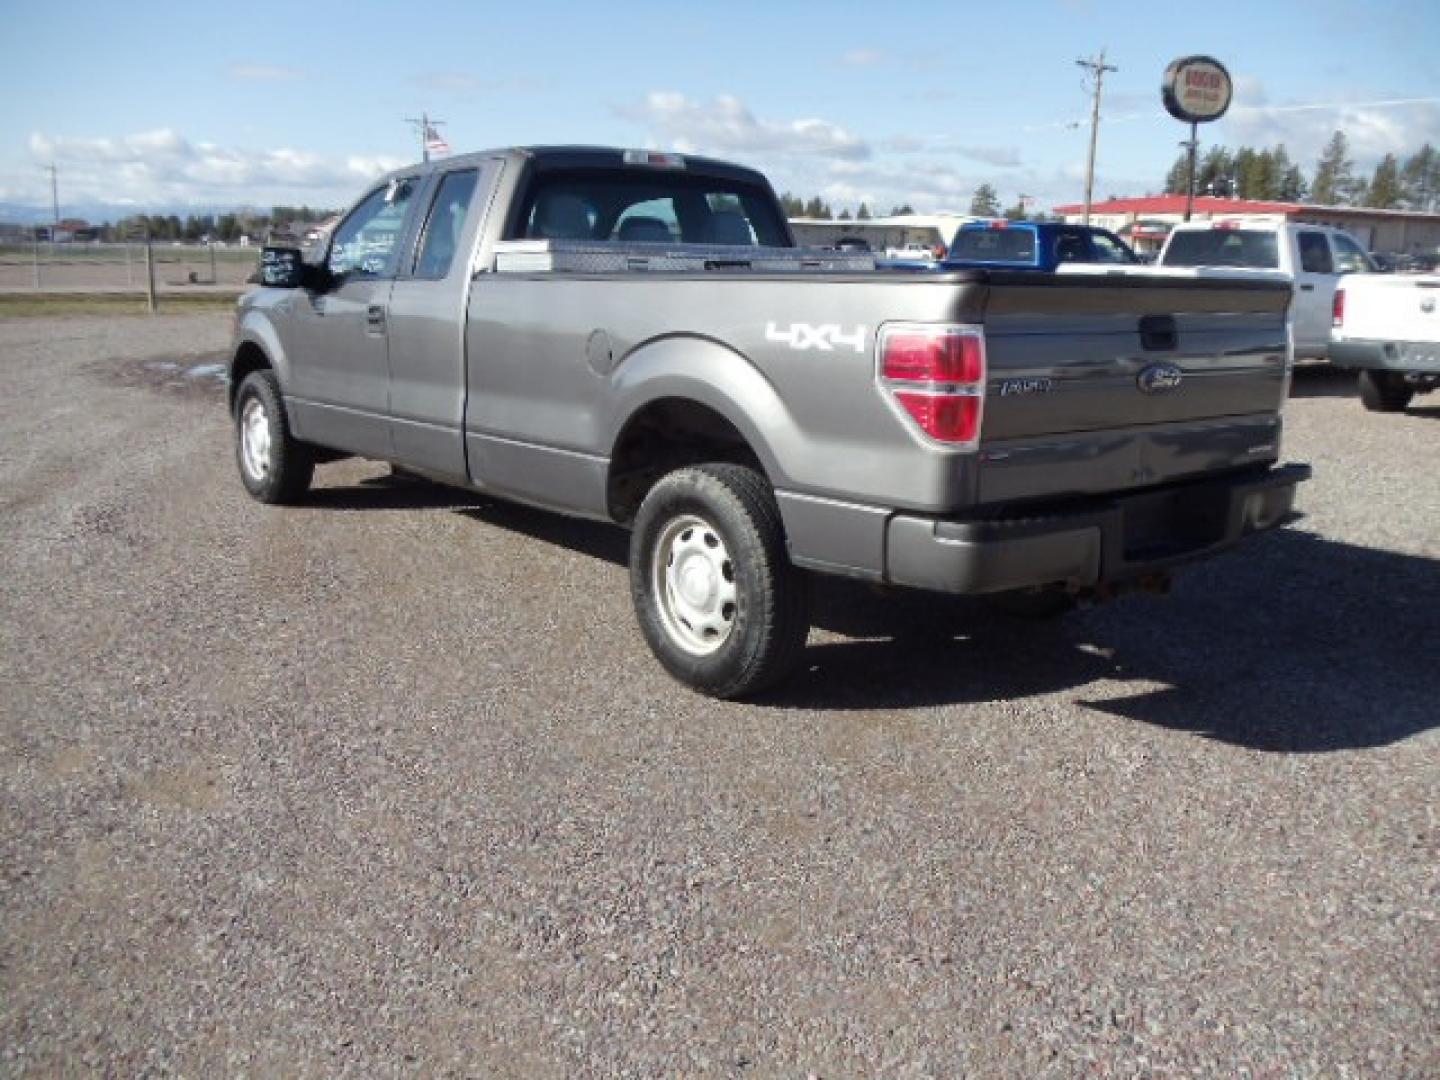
(274, 466)
(1384, 391)
(715, 593)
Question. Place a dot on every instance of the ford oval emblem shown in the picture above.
(1159, 379)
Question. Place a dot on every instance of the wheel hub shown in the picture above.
(694, 583)
(255, 439)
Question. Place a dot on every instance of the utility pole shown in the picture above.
(425, 125)
(54, 201)
(1097, 69)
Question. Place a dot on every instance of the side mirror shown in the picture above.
(282, 268)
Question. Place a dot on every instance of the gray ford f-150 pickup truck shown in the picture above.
(633, 337)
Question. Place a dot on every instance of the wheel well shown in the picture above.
(249, 357)
(666, 435)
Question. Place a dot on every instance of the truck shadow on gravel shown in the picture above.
(1295, 643)
(1312, 380)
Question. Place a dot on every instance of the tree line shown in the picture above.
(984, 203)
(1268, 174)
(228, 227)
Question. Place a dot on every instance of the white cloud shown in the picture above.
(726, 126)
(245, 72)
(1372, 128)
(864, 58)
(164, 167)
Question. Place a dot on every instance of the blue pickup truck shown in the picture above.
(1034, 245)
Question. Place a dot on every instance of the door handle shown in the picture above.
(1307, 288)
(375, 319)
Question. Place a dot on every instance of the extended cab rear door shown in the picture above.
(427, 321)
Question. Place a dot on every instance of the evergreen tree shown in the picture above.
(985, 202)
(863, 214)
(1215, 173)
(844, 215)
(896, 211)
(1385, 191)
(1016, 212)
(1422, 179)
(1178, 176)
(1334, 183)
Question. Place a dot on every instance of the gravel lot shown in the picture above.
(390, 784)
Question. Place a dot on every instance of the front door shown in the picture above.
(340, 376)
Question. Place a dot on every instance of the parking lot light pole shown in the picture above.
(1191, 144)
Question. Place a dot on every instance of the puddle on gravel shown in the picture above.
(197, 375)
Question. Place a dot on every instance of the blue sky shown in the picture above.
(156, 105)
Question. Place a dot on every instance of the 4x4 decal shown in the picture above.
(824, 337)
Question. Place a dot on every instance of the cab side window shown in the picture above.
(444, 225)
(367, 243)
(1349, 257)
(1315, 254)
(1108, 249)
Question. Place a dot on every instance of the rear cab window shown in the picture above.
(1013, 246)
(648, 206)
(1254, 249)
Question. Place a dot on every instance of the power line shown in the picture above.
(1097, 69)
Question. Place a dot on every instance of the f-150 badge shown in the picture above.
(1011, 387)
(825, 337)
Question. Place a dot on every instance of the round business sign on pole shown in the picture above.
(1196, 89)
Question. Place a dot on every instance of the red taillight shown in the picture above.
(1337, 308)
(936, 356)
(953, 418)
(936, 374)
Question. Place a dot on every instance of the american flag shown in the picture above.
(434, 143)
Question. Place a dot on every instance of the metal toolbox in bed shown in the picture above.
(597, 257)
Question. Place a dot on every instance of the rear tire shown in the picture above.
(1384, 391)
(274, 466)
(715, 593)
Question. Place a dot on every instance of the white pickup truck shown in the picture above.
(1387, 327)
(1313, 256)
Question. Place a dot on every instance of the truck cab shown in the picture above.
(1034, 245)
(1312, 256)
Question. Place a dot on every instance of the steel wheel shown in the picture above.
(274, 467)
(694, 582)
(255, 439)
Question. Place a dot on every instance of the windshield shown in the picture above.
(994, 245)
(1252, 248)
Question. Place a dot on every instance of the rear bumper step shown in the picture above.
(1121, 539)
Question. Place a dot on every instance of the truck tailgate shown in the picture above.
(1390, 307)
(1115, 383)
